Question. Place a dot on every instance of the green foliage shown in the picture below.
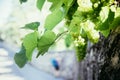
(20, 58)
(32, 26)
(60, 8)
(40, 4)
(52, 20)
(85, 5)
(80, 52)
(116, 23)
(22, 1)
(85, 19)
(105, 32)
(46, 40)
(68, 3)
(56, 5)
(75, 22)
(106, 24)
(68, 40)
(30, 43)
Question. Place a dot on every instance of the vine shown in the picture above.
(85, 19)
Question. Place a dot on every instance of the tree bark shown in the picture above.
(102, 61)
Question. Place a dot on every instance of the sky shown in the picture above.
(5, 10)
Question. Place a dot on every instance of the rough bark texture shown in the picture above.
(102, 61)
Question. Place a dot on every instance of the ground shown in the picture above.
(10, 71)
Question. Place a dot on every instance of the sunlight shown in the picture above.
(3, 52)
(5, 63)
(10, 77)
(5, 70)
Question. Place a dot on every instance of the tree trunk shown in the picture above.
(102, 61)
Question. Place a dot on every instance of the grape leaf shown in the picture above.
(68, 2)
(106, 24)
(116, 23)
(51, 0)
(46, 40)
(20, 57)
(30, 43)
(53, 19)
(75, 22)
(56, 5)
(40, 4)
(105, 32)
(117, 13)
(32, 26)
(68, 40)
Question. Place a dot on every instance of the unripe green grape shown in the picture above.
(96, 5)
(87, 26)
(74, 35)
(113, 8)
(104, 13)
(79, 41)
(76, 43)
(80, 52)
(92, 34)
(85, 5)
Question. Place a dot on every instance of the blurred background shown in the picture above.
(58, 63)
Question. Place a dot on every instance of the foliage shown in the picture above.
(22, 1)
(40, 4)
(32, 26)
(85, 19)
(30, 43)
(20, 58)
(46, 40)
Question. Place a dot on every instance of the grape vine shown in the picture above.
(85, 19)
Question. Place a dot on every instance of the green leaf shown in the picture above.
(32, 26)
(116, 23)
(106, 24)
(46, 40)
(30, 43)
(53, 19)
(40, 4)
(68, 2)
(22, 1)
(51, 0)
(105, 32)
(75, 22)
(68, 40)
(56, 5)
(20, 57)
(117, 13)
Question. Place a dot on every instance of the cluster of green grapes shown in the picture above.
(84, 5)
(92, 34)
